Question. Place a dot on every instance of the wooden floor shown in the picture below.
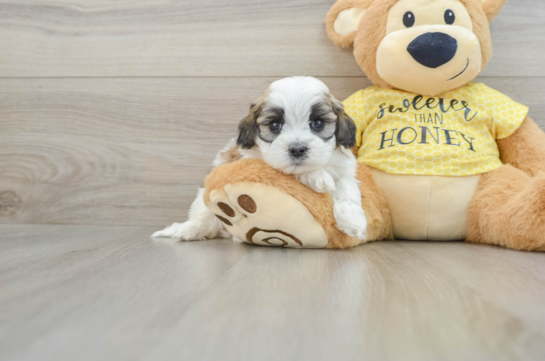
(112, 293)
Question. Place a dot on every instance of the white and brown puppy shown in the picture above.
(299, 128)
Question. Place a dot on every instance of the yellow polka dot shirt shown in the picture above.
(453, 134)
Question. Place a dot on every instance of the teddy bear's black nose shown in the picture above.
(433, 49)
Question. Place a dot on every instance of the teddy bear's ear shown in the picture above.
(492, 7)
(343, 20)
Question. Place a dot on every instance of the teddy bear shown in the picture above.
(440, 157)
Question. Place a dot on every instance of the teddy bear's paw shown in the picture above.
(350, 219)
(264, 215)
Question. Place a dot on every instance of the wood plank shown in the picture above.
(99, 293)
(134, 38)
(132, 151)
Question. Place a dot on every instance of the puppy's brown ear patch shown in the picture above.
(248, 129)
(345, 133)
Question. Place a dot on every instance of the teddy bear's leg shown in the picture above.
(508, 210)
(262, 206)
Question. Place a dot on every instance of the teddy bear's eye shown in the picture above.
(449, 17)
(408, 19)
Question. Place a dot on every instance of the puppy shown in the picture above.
(299, 128)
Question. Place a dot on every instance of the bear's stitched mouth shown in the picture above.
(463, 71)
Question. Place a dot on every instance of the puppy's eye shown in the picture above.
(275, 127)
(408, 19)
(317, 125)
(450, 17)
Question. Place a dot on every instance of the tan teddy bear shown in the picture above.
(440, 157)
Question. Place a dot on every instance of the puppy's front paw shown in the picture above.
(351, 220)
(188, 231)
(318, 181)
(323, 185)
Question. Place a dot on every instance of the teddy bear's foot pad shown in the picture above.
(264, 215)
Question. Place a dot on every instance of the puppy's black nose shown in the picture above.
(433, 49)
(298, 150)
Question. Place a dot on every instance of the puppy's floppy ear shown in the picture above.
(345, 133)
(248, 129)
(492, 7)
(343, 20)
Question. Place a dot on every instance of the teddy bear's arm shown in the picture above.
(525, 149)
